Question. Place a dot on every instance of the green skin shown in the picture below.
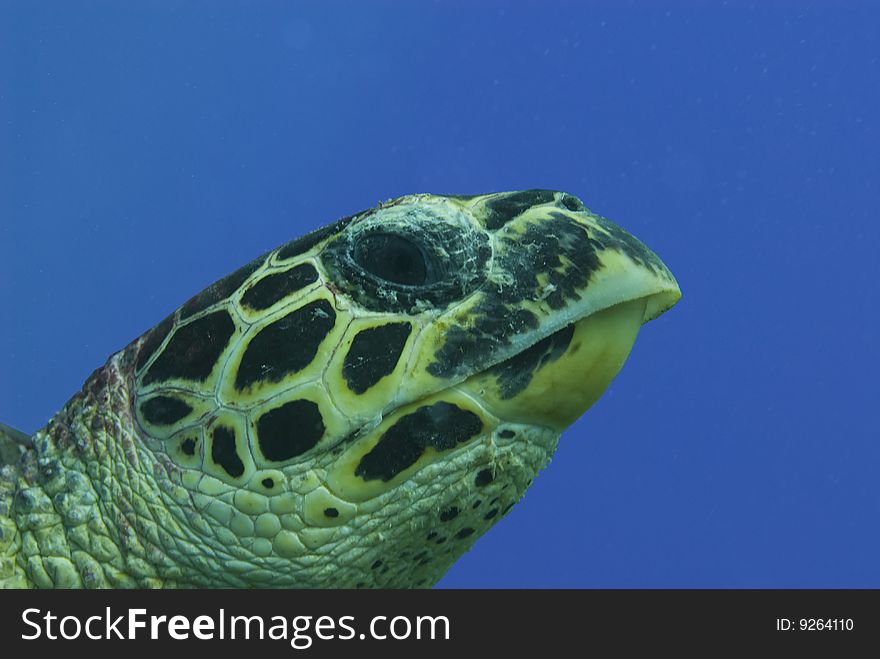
(97, 499)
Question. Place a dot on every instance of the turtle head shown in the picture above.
(358, 406)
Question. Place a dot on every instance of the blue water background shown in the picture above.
(149, 148)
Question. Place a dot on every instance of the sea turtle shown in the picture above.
(352, 409)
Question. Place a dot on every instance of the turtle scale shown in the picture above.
(310, 416)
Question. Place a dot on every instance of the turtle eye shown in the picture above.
(393, 258)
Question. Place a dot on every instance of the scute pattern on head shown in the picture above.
(440, 426)
(374, 354)
(194, 350)
(164, 410)
(274, 287)
(221, 290)
(501, 209)
(276, 442)
(285, 346)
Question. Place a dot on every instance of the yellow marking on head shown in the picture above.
(336, 425)
(275, 381)
(362, 407)
(227, 454)
(321, 508)
(341, 479)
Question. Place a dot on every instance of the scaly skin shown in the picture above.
(81, 516)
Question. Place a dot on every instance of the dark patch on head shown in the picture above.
(513, 375)
(506, 434)
(331, 512)
(268, 483)
(490, 514)
(374, 354)
(193, 350)
(272, 288)
(431, 535)
(152, 341)
(501, 210)
(449, 514)
(441, 426)
(498, 317)
(441, 540)
(572, 203)
(477, 504)
(538, 252)
(286, 346)
(484, 478)
(376, 564)
(464, 533)
(224, 452)
(306, 242)
(464, 349)
(188, 446)
(506, 509)
(289, 430)
(618, 239)
(408, 267)
(165, 410)
(220, 290)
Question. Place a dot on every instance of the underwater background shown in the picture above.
(150, 148)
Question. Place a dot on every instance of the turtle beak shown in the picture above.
(555, 380)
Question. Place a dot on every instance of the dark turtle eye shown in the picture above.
(408, 258)
(393, 258)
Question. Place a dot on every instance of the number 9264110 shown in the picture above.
(814, 624)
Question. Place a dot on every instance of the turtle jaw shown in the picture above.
(556, 380)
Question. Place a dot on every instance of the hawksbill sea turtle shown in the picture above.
(352, 409)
